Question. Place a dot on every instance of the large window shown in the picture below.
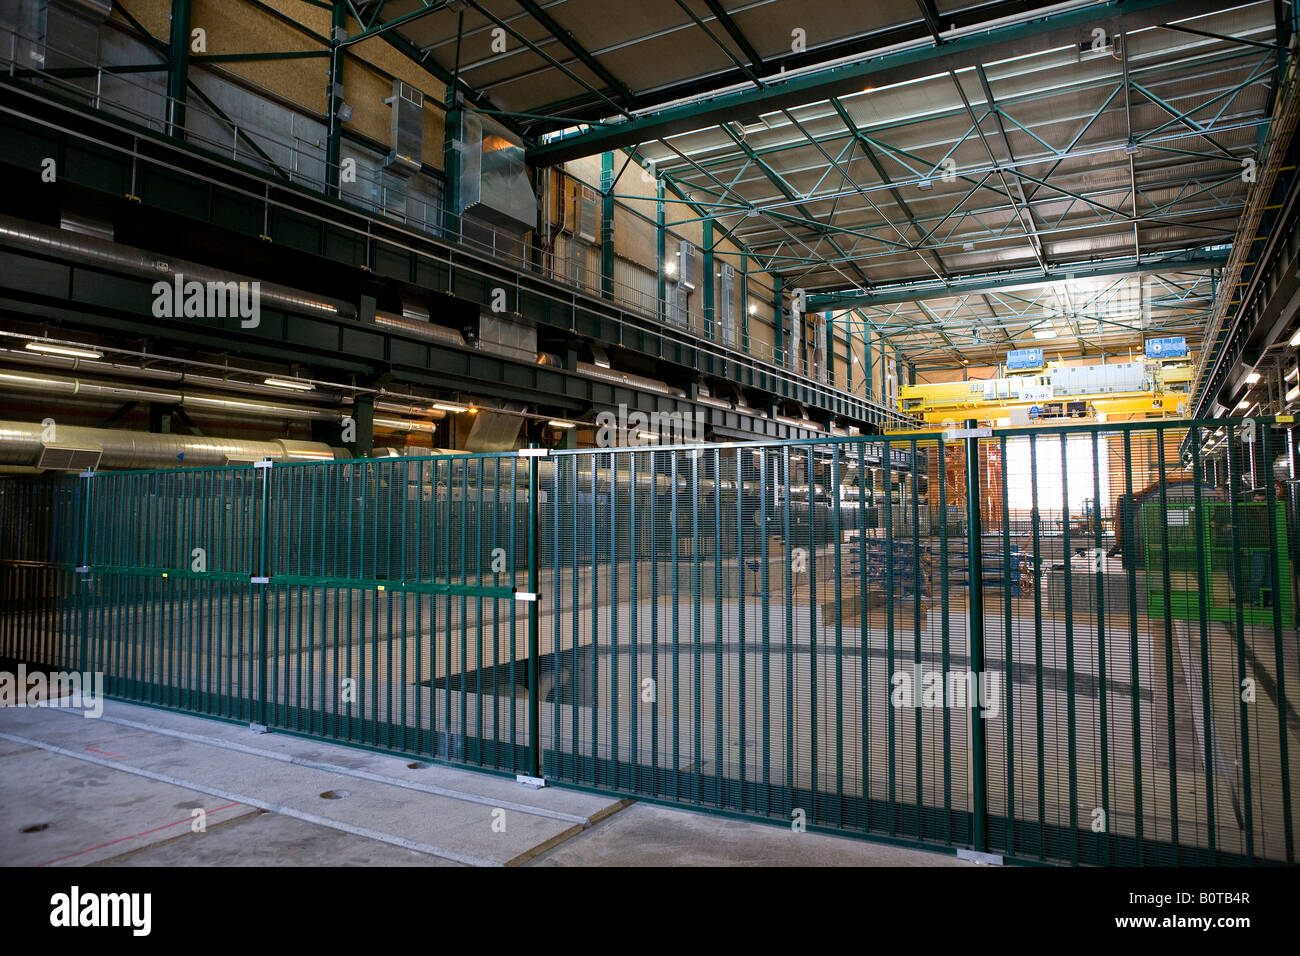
(1081, 483)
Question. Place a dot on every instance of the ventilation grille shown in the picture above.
(68, 458)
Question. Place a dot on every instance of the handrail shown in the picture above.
(431, 223)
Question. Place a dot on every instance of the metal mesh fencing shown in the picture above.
(781, 630)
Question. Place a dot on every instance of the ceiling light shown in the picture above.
(63, 350)
(1244, 403)
(670, 267)
(1292, 395)
(1292, 374)
(449, 407)
(557, 423)
(292, 383)
(1252, 378)
(1045, 334)
(1295, 339)
(753, 309)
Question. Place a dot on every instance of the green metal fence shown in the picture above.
(1063, 644)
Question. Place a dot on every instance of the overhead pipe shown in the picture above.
(189, 378)
(236, 407)
(21, 444)
(49, 240)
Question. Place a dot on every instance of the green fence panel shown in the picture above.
(1067, 644)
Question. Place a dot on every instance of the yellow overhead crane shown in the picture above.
(1058, 392)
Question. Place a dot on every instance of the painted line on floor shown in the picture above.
(431, 789)
(425, 848)
(165, 826)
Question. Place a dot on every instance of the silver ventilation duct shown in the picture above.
(232, 407)
(23, 444)
(627, 378)
(92, 251)
(21, 356)
(420, 329)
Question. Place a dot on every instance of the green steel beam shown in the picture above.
(707, 282)
(334, 99)
(570, 43)
(250, 141)
(981, 283)
(607, 179)
(778, 320)
(661, 282)
(736, 34)
(1063, 29)
(178, 70)
(268, 55)
(372, 30)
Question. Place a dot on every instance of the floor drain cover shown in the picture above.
(36, 828)
(336, 794)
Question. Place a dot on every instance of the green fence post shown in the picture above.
(975, 579)
(265, 468)
(82, 572)
(534, 708)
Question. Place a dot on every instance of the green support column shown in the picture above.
(778, 319)
(363, 414)
(451, 167)
(607, 225)
(660, 250)
(867, 360)
(744, 303)
(829, 357)
(975, 579)
(848, 356)
(534, 626)
(178, 71)
(334, 99)
(707, 279)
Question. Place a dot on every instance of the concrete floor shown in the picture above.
(122, 790)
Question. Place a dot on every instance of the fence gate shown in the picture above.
(1069, 644)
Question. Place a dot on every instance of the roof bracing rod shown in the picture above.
(1061, 29)
(573, 46)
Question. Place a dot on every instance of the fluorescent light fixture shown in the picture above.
(1292, 374)
(67, 350)
(1292, 395)
(557, 423)
(1244, 403)
(1045, 334)
(1295, 339)
(1252, 378)
(450, 407)
(294, 384)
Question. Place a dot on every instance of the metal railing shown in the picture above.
(1008, 641)
(305, 164)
